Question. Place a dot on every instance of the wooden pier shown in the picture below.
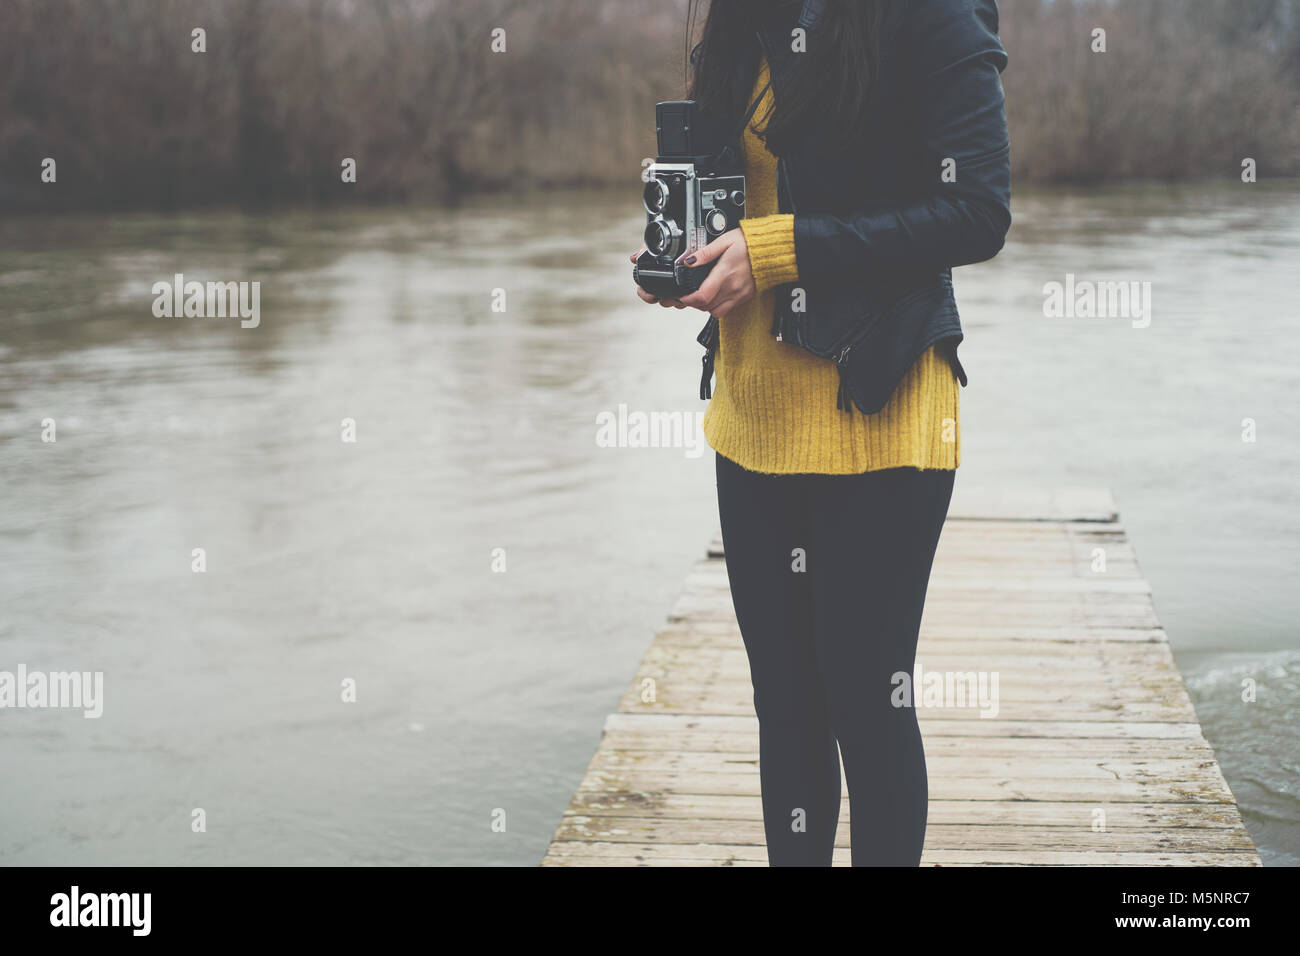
(1095, 756)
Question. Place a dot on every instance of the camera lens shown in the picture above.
(656, 237)
(663, 237)
(656, 195)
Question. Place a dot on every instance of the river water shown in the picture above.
(475, 569)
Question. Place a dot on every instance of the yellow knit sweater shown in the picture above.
(773, 406)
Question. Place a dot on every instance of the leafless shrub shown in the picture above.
(412, 90)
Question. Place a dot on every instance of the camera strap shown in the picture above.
(708, 337)
(753, 108)
(729, 154)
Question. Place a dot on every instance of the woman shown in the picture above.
(877, 160)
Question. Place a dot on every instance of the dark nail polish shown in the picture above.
(689, 260)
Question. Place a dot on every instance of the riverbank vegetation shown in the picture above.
(414, 91)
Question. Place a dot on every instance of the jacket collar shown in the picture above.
(776, 45)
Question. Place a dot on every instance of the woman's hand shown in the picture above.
(731, 283)
(646, 296)
(729, 286)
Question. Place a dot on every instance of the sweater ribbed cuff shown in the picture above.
(770, 240)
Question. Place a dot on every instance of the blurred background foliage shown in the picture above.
(412, 91)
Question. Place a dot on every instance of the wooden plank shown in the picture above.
(1135, 816)
(1001, 506)
(672, 697)
(935, 746)
(934, 727)
(1046, 639)
(1015, 836)
(1092, 755)
(1012, 783)
(975, 503)
(579, 853)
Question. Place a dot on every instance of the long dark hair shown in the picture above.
(831, 84)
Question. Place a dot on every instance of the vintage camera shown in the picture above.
(694, 192)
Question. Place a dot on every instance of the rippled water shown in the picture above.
(372, 561)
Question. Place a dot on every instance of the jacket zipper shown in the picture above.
(783, 177)
(844, 401)
(842, 398)
(783, 185)
(778, 320)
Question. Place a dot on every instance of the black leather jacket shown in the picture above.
(877, 234)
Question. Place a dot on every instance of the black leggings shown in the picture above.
(824, 642)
